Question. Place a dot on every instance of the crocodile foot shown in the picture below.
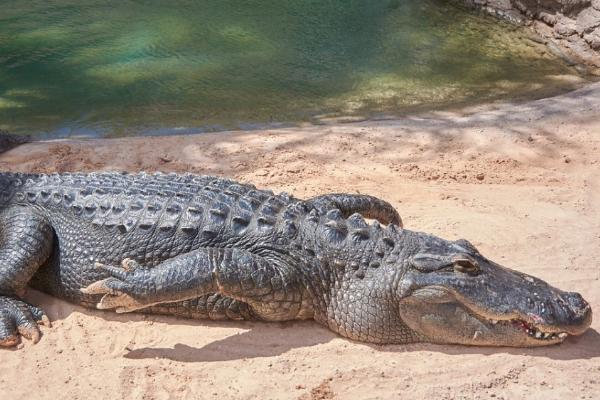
(119, 290)
(18, 318)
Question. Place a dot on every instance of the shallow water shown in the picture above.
(112, 68)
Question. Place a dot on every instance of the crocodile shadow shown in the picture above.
(262, 339)
(268, 341)
(584, 347)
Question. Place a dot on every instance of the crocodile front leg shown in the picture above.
(271, 290)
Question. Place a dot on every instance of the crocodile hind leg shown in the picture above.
(19, 318)
(271, 289)
(25, 243)
(367, 206)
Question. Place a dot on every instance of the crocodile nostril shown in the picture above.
(576, 302)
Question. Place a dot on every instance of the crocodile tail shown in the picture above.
(367, 206)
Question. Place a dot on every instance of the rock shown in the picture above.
(9, 141)
(573, 24)
(593, 39)
(566, 27)
(588, 20)
(550, 19)
(504, 5)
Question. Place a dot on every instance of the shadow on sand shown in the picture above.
(263, 339)
(259, 342)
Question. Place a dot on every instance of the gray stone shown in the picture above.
(588, 20)
(566, 27)
(593, 39)
(572, 24)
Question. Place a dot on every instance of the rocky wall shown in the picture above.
(571, 28)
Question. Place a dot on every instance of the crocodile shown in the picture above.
(207, 247)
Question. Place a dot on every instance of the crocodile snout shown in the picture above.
(581, 313)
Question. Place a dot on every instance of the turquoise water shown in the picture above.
(113, 68)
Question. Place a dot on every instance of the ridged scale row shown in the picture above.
(166, 202)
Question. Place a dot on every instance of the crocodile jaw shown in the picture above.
(439, 315)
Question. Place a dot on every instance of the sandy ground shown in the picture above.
(522, 182)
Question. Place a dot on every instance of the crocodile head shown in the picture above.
(450, 293)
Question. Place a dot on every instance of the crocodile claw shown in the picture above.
(20, 318)
(114, 296)
(117, 289)
(129, 265)
(122, 303)
(105, 286)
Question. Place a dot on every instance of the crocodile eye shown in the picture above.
(465, 265)
(465, 244)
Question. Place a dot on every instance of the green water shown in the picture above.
(111, 68)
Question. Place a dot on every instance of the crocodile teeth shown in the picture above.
(532, 331)
(494, 321)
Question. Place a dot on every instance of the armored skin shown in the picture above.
(207, 247)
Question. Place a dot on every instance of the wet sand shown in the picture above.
(522, 182)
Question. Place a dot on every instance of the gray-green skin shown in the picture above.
(206, 247)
